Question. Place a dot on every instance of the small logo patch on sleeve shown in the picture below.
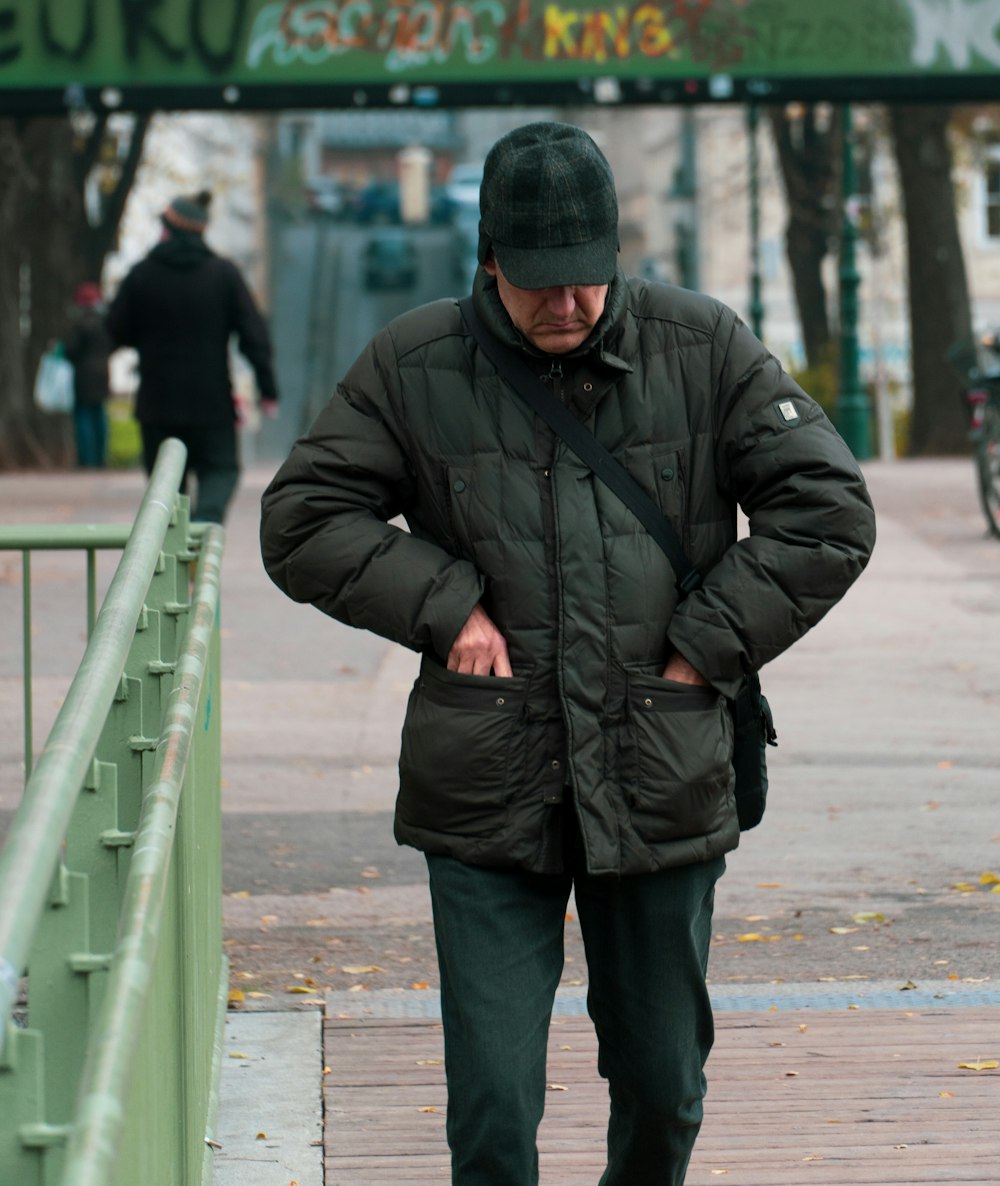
(788, 411)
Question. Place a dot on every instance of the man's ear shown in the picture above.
(490, 263)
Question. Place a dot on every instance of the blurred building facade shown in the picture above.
(684, 187)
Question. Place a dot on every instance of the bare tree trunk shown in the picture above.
(940, 315)
(23, 433)
(809, 159)
(46, 248)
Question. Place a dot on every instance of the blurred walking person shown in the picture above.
(88, 347)
(179, 307)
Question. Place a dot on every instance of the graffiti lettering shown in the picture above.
(217, 62)
(958, 27)
(137, 21)
(710, 32)
(71, 29)
(407, 34)
(417, 32)
(84, 41)
(782, 34)
(8, 24)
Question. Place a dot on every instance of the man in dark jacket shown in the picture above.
(179, 307)
(569, 727)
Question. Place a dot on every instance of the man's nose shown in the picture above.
(562, 300)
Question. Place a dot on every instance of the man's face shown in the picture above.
(555, 320)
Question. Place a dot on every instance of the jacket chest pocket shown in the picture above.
(677, 769)
(462, 751)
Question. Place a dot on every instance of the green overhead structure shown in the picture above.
(153, 54)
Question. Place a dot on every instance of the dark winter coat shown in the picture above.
(179, 307)
(681, 392)
(88, 347)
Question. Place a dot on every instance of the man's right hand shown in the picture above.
(480, 648)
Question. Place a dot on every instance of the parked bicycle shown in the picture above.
(981, 395)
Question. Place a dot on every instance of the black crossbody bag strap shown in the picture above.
(584, 444)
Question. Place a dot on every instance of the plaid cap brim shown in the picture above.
(552, 267)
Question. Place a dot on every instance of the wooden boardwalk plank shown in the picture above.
(796, 1098)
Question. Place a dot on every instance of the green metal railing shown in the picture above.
(110, 877)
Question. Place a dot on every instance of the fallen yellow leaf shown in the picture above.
(843, 930)
(241, 894)
(261, 1136)
(260, 996)
(362, 969)
(419, 984)
(235, 996)
(989, 879)
(236, 1054)
(767, 885)
(963, 887)
(299, 988)
(555, 1087)
(427, 1109)
(979, 1065)
(946, 1095)
(429, 1062)
(868, 916)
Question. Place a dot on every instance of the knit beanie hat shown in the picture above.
(188, 213)
(548, 208)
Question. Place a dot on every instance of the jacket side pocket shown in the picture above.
(681, 741)
(460, 758)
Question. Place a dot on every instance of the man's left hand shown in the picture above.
(680, 671)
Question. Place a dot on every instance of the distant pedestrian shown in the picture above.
(88, 347)
(178, 308)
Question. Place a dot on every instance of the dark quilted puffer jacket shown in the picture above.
(690, 402)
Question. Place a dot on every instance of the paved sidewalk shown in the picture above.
(858, 910)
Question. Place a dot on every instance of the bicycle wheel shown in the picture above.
(988, 463)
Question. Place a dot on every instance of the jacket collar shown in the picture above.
(596, 351)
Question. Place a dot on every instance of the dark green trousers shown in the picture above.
(500, 950)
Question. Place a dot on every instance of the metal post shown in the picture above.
(753, 163)
(853, 412)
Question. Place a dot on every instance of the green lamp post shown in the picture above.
(853, 413)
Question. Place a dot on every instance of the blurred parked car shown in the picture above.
(389, 260)
(378, 201)
(464, 182)
(326, 197)
(442, 207)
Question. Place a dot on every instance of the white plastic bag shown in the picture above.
(54, 382)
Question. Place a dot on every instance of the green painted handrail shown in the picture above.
(95, 1141)
(30, 856)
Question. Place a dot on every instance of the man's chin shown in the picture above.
(558, 341)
